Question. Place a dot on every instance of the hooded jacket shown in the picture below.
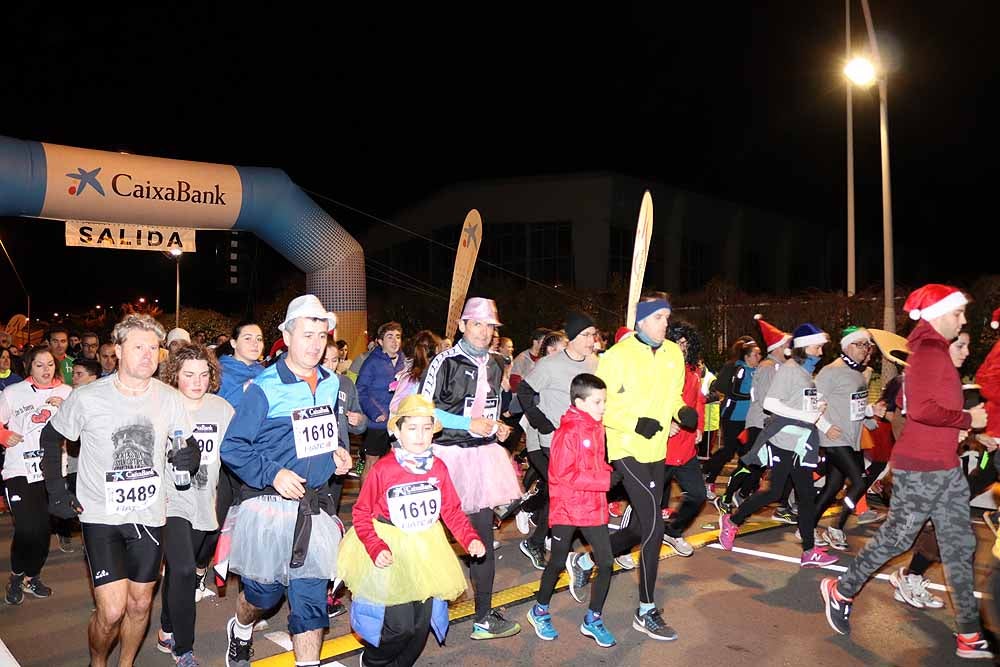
(235, 375)
(579, 476)
(932, 399)
(376, 383)
(988, 379)
(681, 447)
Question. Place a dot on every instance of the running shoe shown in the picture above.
(870, 516)
(653, 625)
(199, 590)
(523, 522)
(494, 626)
(66, 544)
(785, 515)
(727, 532)
(534, 553)
(358, 469)
(972, 646)
(816, 557)
(679, 544)
(835, 538)
(626, 562)
(597, 631)
(616, 508)
(818, 539)
(722, 506)
(929, 600)
(334, 607)
(14, 593)
(542, 623)
(710, 491)
(666, 513)
(165, 642)
(238, 651)
(578, 576)
(187, 660)
(36, 587)
(838, 608)
(912, 589)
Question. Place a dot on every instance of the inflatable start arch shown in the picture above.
(42, 180)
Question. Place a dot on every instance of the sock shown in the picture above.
(969, 636)
(645, 607)
(585, 561)
(244, 632)
(918, 564)
(307, 663)
(540, 609)
(592, 616)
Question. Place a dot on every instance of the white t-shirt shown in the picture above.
(24, 410)
(122, 449)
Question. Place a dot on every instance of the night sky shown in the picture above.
(740, 100)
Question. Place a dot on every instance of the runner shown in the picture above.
(376, 383)
(243, 365)
(58, 338)
(123, 423)
(526, 360)
(192, 527)
(927, 476)
(25, 408)
(464, 383)
(283, 444)
(724, 384)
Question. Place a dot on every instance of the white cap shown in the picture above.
(309, 306)
(178, 334)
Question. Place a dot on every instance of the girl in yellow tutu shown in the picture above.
(396, 560)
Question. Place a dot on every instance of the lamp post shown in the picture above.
(851, 266)
(176, 254)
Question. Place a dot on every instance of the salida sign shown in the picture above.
(128, 237)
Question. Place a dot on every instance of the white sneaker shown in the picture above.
(818, 539)
(870, 516)
(710, 491)
(835, 538)
(903, 583)
(522, 520)
(919, 586)
(548, 544)
(626, 562)
(679, 544)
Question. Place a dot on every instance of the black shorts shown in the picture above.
(376, 442)
(129, 551)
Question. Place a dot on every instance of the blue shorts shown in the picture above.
(306, 601)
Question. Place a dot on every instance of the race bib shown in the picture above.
(810, 400)
(415, 506)
(491, 410)
(127, 491)
(315, 430)
(207, 436)
(32, 465)
(859, 405)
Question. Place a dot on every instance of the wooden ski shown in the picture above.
(465, 262)
(643, 233)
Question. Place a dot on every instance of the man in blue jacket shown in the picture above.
(376, 384)
(283, 443)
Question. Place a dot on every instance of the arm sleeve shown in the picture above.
(364, 514)
(431, 386)
(776, 407)
(528, 398)
(564, 465)
(924, 378)
(51, 441)
(237, 449)
(451, 512)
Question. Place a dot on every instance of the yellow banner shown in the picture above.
(85, 234)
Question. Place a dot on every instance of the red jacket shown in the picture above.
(932, 396)
(372, 502)
(682, 447)
(579, 475)
(988, 379)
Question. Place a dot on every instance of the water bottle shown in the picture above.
(182, 478)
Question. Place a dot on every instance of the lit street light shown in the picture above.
(860, 71)
(142, 299)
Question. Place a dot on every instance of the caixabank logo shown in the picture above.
(125, 185)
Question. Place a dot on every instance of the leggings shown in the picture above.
(644, 485)
(562, 539)
(29, 505)
(783, 467)
(746, 479)
(483, 570)
(875, 469)
(842, 462)
(730, 444)
(688, 477)
(184, 547)
(538, 504)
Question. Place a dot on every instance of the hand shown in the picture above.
(476, 549)
(821, 406)
(64, 505)
(962, 435)
(675, 428)
(616, 479)
(289, 485)
(54, 400)
(380, 419)
(503, 431)
(834, 433)
(354, 418)
(384, 558)
(879, 409)
(647, 427)
(987, 441)
(186, 458)
(697, 436)
(547, 428)
(482, 427)
(14, 439)
(978, 416)
(505, 383)
(342, 458)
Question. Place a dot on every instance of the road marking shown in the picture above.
(832, 568)
(281, 638)
(6, 657)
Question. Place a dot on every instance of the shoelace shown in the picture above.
(238, 645)
(655, 621)
(920, 588)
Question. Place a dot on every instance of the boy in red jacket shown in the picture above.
(579, 479)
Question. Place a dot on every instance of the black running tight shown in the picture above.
(562, 540)
(644, 485)
(841, 463)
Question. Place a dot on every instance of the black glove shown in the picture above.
(647, 427)
(616, 479)
(62, 503)
(186, 458)
(688, 417)
(545, 426)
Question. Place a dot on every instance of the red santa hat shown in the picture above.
(773, 336)
(988, 379)
(995, 319)
(933, 300)
(623, 332)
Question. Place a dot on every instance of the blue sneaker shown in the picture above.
(542, 623)
(598, 633)
(578, 577)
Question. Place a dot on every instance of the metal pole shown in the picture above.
(851, 276)
(887, 257)
(177, 305)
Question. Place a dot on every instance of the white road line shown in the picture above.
(796, 561)
(280, 638)
(6, 658)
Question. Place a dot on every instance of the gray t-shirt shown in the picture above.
(762, 380)
(551, 378)
(197, 503)
(846, 394)
(122, 449)
(793, 387)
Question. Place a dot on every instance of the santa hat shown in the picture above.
(995, 319)
(853, 334)
(773, 336)
(933, 300)
(808, 334)
(623, 332)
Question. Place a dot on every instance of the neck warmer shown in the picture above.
(641, 336)
(4, 374)
(851, 363)
(418, 464)
(472, 350)
(810, 363)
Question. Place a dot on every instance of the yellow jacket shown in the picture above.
(640, 384)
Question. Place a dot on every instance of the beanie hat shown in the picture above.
(808, 334)
(933, 300)
(577, 322)
(853, 334)
(773, 336)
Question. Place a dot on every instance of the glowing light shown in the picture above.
(860, 71)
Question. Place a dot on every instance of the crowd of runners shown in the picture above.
(178, 462)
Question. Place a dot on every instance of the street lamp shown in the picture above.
(860, 71)
(176, 254)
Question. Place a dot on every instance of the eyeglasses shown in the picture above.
(865, 345)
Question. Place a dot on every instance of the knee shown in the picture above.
(697, 494)
(138, 605)
(110, 614)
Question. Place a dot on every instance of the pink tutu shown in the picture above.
(483, 476)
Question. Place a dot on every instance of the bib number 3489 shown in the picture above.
(127, 491)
